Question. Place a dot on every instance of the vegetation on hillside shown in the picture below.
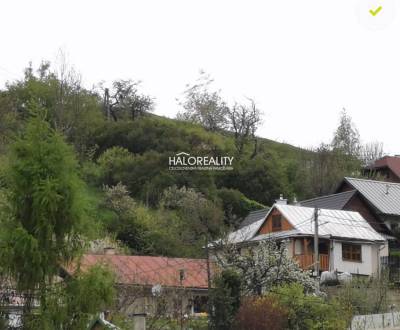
(83, 168)
(123, 151)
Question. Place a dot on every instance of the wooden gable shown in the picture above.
(275, 222)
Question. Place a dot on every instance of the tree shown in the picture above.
(43, 225)
(69, 108)
(264, 266)
(130, 225)
(203, 106)
(325, 171)
(72, 304)
(124, 100)
(371, 152)
(203, 217)
(346, 138)
(262, 178)
(236, 205)
(244, 121)
(225, 299)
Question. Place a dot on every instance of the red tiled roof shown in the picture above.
(393, 163)
(143, 270)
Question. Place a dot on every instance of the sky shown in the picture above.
(301, 61)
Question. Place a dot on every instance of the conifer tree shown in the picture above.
(42, 229)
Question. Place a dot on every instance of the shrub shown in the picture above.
(310, 312)
(261, 313)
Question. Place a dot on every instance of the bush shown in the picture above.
(310, 312)
(261, 313)
(364, 295)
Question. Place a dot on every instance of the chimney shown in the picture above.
(109, 250)
(387, 189)
(281, 200)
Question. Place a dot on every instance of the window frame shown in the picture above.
(273, 221)
(355, 250)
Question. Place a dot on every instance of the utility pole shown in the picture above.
(316, 251)
(209, 307)
(181, 278)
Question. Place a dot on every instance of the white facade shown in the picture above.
(336, 227)
(370, 257)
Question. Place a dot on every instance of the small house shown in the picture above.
(151, 285)
(386, 168)
(347, 242)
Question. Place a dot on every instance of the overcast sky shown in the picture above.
(302, 61)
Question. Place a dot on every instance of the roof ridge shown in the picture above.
(140, 256)
(330, 195)
(320, 208)
(259, 210)
(372, 181)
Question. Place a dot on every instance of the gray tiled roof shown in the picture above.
(384, 196)
(253, 217)
(330, 202)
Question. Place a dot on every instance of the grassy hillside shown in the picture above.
(124, 160)
(151, 140)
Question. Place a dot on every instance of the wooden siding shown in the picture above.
(267, 225)
(359, 205)
(306, 261)
(345, 186)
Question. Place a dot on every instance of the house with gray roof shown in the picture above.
(254, 216)
(381, 198)
(347, 242)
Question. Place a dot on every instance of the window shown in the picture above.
(200, 304)
(351, 252)
(276, 222)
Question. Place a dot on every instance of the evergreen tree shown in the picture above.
(346, 137)
(43, 223)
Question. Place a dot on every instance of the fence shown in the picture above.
(388, 321)
(392, 265)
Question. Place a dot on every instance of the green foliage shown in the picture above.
(225, 300)
(310, 312)
(114, 164)
(175, 229)
(152, 140)
(70, 305)
(206, 217)
(46, 206)
(252, 177)
(69, 108)
(236, 205)
(346, 137)
(364, 296)
(125, 101)
(204, 106)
